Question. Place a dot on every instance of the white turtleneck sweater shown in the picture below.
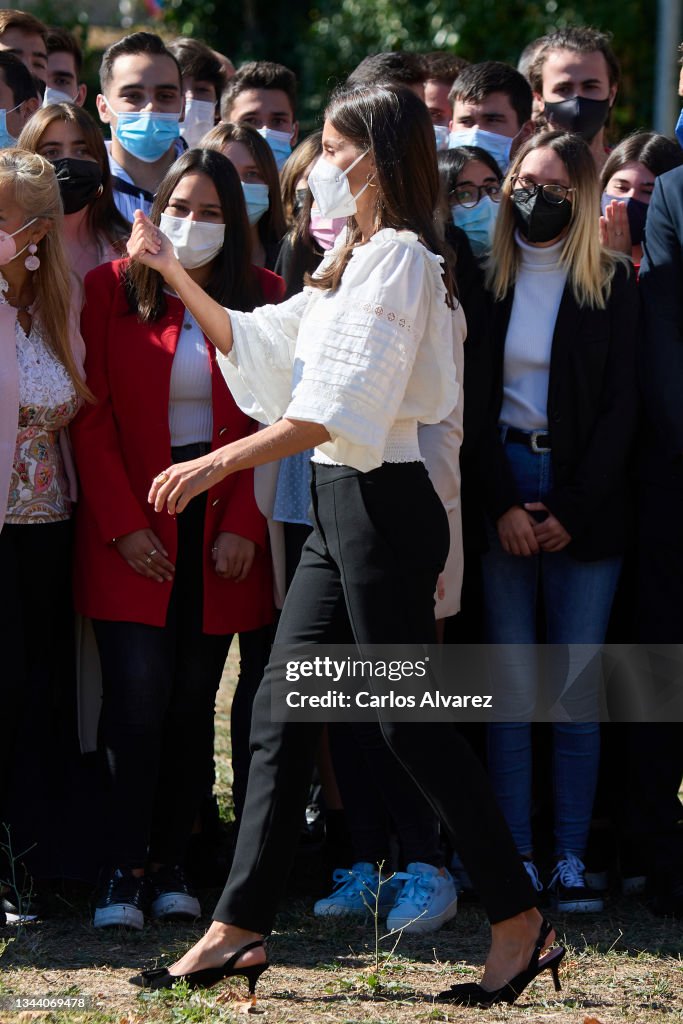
(538, 292)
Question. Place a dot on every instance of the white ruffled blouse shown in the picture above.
(369, 361)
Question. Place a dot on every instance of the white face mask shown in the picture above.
(199, 119)
(195, 242)
(497, 146)
(331, 189)
(57, 96)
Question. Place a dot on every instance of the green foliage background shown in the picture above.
(322, 40)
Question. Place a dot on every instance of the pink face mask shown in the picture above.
(8, 247)
(325, 229)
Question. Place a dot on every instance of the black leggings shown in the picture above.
(379, 543)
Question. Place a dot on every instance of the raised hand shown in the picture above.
(149, 245)
(614, 230)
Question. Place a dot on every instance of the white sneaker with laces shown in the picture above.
(568, 886)
(356, 892)
(427, 900)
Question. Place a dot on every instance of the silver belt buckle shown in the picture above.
(535, 447)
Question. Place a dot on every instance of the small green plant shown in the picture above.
(19, 881)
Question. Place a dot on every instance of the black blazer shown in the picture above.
(592, 419)
(661, 349)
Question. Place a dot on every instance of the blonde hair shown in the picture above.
(36, 191)
(590, 267)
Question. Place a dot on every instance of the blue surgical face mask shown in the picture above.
(497, 146)
(145, 134)
(442, 135)
(6, 140)
(478, 223)
(256, 199)
(679, 128)
(280, 144)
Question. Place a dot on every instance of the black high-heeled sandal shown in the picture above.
(208, 976)
(471, 994)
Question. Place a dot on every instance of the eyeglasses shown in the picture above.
(469, 195)
(554, 194)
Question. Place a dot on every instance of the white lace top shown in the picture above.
(368, 361)
(39, 491)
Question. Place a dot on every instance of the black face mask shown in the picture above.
(579, 115)
(80, 182)
(300, 197)
(537, 219)
(636, 212)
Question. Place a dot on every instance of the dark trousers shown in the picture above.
(379, 542)
(377, 793)
(37, 685)
(655, 754)
(159, 691)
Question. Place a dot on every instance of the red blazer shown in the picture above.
(121, 443)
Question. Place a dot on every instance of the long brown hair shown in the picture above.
(295, 166)
(36, 192)
(393, 125)
(104, 219)
(590, 268)
(271, 226)
(233, 281)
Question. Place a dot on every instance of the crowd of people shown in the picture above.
(413, 377)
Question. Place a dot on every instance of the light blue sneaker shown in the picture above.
(356, 892)
(427, 900)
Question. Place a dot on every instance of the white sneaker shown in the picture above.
(356, 892)
(427, 900)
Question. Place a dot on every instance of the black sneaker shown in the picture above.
(568, 886)
(172, 896)
(121, 901)
(15, 910)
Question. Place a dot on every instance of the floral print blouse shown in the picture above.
(39, 491)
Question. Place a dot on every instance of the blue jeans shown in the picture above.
(577, 600)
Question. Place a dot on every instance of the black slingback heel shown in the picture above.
(471, 994)
(208, 976)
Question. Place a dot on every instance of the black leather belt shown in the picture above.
(537, 440)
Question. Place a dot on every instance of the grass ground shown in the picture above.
(622, 967)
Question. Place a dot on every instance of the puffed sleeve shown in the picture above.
(258, 369)
(357, 347)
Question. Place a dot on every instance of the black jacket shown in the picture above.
(661, 349)
(592, 419)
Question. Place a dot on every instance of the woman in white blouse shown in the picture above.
(350, 367)
(41, 387)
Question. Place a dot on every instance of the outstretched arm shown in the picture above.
(148, 245)
(176, 486)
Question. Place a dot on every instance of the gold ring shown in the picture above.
(162, 478)
(148, 560)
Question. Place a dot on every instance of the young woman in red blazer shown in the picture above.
(165, 594)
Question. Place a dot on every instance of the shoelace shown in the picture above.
(128, 888)
(532, 872)
(418, 888)
(569, 872)
(353, 881)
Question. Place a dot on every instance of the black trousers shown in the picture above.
(159, 692)
(37, 687)
(379, 543)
